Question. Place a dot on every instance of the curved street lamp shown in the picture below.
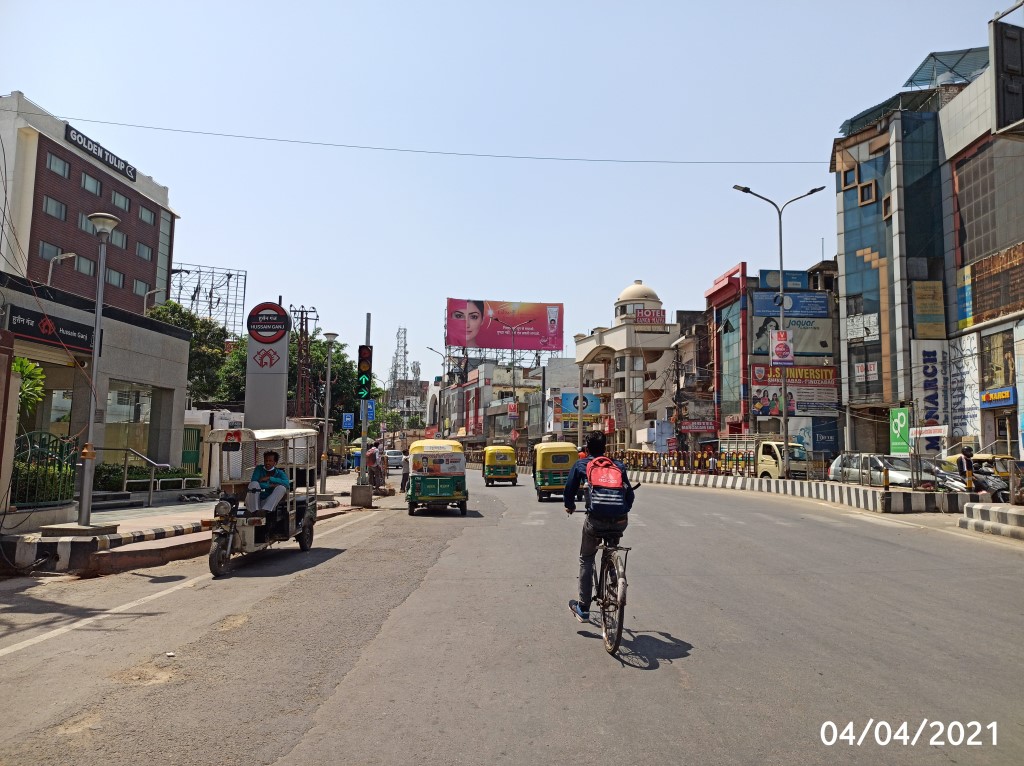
(104, 223)
(782, 315)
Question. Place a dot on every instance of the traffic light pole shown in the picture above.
(363, 475)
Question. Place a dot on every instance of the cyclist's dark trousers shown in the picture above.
(593, 528)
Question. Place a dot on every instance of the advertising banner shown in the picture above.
(929, 310)
(862, 327)
(931, 389)
(899, 431)
(573, 403)
(964, 386)
(802, 305)
(811, 390)
(438, 460)
(795, 280)
(809, 336)
(504, 325)
(782, 348)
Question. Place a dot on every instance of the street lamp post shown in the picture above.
(145, 298)
(57, 259)
(512, 329)
(440, 394)
(330, 337)
(104, 223)
(782, 317)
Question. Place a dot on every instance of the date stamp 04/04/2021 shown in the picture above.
(903, 733)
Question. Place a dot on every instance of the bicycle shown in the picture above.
(610, 590)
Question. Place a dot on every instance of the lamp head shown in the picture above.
(330, 337)
(818, 189)
(104, 222)
(744, 189)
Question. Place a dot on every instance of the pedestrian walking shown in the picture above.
(405, 470)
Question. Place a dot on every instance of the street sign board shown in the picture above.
(348, 420)
(514, 435)
(371, 409)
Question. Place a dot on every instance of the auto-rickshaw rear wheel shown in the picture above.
(412, 508)
(305, 536)
(462, 508)
(219, 556)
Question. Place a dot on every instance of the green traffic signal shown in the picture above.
(365, 364)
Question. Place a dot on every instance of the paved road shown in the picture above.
(437, 639)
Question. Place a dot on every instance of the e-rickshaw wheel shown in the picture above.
(219, 556)
(462, 508)
(305, 536)
(412, 508)
(513, 482)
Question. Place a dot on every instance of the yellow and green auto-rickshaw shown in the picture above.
(437, 475)
(551, 464)
(499, 465)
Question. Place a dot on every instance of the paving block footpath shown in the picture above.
(145, 537)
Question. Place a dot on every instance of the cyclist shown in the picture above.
(607, 511)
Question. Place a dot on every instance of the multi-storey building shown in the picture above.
(54, 176)
(931, 250)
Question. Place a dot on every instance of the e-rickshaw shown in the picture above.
(235, 528)
(437, 475)
(499, 465)
(551, 464)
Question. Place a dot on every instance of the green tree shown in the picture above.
(32, 389)
(206, 352)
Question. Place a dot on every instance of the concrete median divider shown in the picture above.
(853, 495)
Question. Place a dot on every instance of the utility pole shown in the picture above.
(363, 475)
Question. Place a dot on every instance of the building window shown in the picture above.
(140, 287)
(91, 184)
(119, 239)
(887, 207)
(638, 364)
(115, 278)
(147, 215)
(85, 224)
(55, 208)
(145, 252)
(48, 252)
(866, 193)
(850, 177)
(85, 266)
(57, 165)
(121, 201)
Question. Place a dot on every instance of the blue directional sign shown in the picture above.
(371, 410)
(348, 420)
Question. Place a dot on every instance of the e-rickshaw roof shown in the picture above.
(432, 445)
(218, 435)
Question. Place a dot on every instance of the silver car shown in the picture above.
(394, 458)
(862, 468)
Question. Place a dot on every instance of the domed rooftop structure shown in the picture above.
(638, 291)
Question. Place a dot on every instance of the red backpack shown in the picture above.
(607, 491)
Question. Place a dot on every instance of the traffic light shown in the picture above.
(364, 372)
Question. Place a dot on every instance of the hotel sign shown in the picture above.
(649, 316)
(108, 158)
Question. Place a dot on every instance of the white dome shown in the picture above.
(638, 291)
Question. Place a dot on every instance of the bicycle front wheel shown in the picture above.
(613, 603)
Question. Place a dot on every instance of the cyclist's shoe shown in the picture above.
(576, 609)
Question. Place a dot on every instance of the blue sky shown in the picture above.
(749, 92)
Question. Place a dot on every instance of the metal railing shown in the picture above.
(129, 452)
(44, 470)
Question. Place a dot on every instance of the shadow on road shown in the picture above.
(279, 562)
(646, 650)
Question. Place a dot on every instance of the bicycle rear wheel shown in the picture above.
(613, 601)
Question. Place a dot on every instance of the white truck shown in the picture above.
(760, 455)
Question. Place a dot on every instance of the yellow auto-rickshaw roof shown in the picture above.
(435, 445)
(545, 447)
(499, 448)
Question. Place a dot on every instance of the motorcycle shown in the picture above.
(984, 482)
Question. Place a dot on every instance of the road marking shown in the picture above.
(772, 519)
(723, 517)
(879, 520)
(132, 604)
(109, 613)
(685, 524)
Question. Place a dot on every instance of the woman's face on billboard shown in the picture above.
(470, 312)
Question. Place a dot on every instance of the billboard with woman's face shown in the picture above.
(501, 325)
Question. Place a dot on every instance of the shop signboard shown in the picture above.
(994, 398)
(812, 304)
(931, 388)
(51, 331)
(899, 431)
(795, 280)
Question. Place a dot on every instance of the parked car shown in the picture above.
(394, 458)
(864, 468)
